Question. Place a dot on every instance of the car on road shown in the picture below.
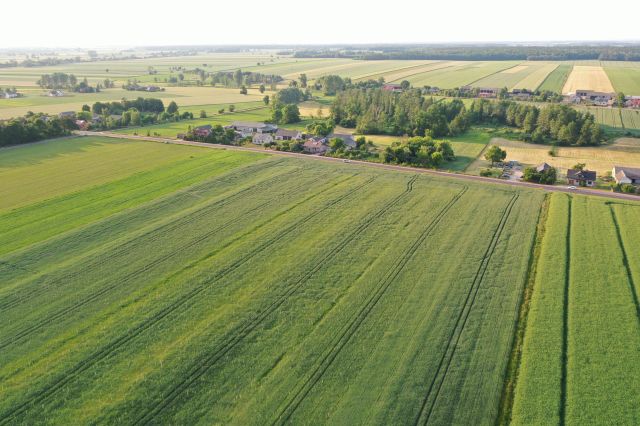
(571, 187)
(346, 161)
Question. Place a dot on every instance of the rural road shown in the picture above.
(494, 181)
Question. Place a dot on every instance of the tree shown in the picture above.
(232, 108)
(321, 127)
(238, 77)
(243, 90)
(203, 114)
(495, 154)
(579, 166)
(620, 99)
(262, 88)
(172, 108)
(405, 85)
(303, 80)
(266, 99)
(86, 107)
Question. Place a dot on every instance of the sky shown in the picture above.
(39, 23)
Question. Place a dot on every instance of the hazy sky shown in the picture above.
(137, 23)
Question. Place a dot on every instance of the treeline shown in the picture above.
(138, 112)
(33, 128)
(418, 151)
(480, 52)
(283, 107)
(239, 78)
(375, 111)
(61, 80)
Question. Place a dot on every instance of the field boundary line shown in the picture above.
(349, 330)
(515, 359)
(625, 261)
(426, 408)
(565, 320)
(243, 330)
(109, 348)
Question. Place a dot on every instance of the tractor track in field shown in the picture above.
(128, 277)
(237, 336)
(564, 351)
(347, 332)
(426, 408)
(43, 394)
(166, 227)
(183, 176)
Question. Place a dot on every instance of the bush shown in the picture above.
(486, 172)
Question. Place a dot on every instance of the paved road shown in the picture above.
(494, 181)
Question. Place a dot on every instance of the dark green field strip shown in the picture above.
(349, 329)
(556, 79)
(68, 247)
(627, 221)
(202, 366)
(145, 254)
(604, 333)
(538, 391)
(22, 227)
(196, 288)
(439, 378)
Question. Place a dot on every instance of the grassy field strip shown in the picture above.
(624, 79)
(76, 243)
(536, 77)
(526, 75)
(176, 304)
(17, 229)
(555, 81)
(625, 219)
(62, 166)
(537, 398)
(343, 337)
(465, 74)
(604, 334)
(630, 118)
(405, 73)
(440, 376)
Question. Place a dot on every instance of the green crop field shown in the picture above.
(624, 79)
(260, 289)
(527, 75)
(554, 82)
(583, 330)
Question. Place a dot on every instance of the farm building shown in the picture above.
(543, 168)
(392, 87)
(287, 135)
(202, 131)
(632, 101)
(67, 114)
(56, 93)
(82, 124)
(262, 138)
(520, 94)
(626, 175)
(248, 128)
(599, 98)
(315, 146)
(581, 177)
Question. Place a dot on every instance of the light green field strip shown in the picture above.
(538, 391)
(460, 75)
(628, 223)
(556, 79)
(526, 75)
(631, 118)
(35, 172)
(625, 79)
(604, 328)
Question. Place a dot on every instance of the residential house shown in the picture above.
(315, 146)
(10, 95)
(629, 175)
(82, 124)
(581, 177)
(67, 114)
(287, 135)
(632, 101)
(392, 87)
(520, 94)
(262, 138)
(56, 93)
(543, 167)
(348, 140)
(153, 88)
(248, 128)
(202, 131)
(488, 92)
(598, 98)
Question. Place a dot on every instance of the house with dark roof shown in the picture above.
(67, 114)
(202, 131)
(581, 177)
(628, 175)
(543, 168)
(287, 135)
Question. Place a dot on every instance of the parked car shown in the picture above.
(571, 187)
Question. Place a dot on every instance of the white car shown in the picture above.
(571, 187)
(346, 161)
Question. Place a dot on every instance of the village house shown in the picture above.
(248, 128)
(581, 177)
(10, 95)
(287, 135)
(56, 93)
(315, 146)
(262, 138)
(543, 168)
(597, 98)
(628, 175)
(392, 87)
(520, 94)
(202, 131)
(82, 124)
(67, 114)
(488, 92)
(632, 101)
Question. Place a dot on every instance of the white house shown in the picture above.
(626, 175)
